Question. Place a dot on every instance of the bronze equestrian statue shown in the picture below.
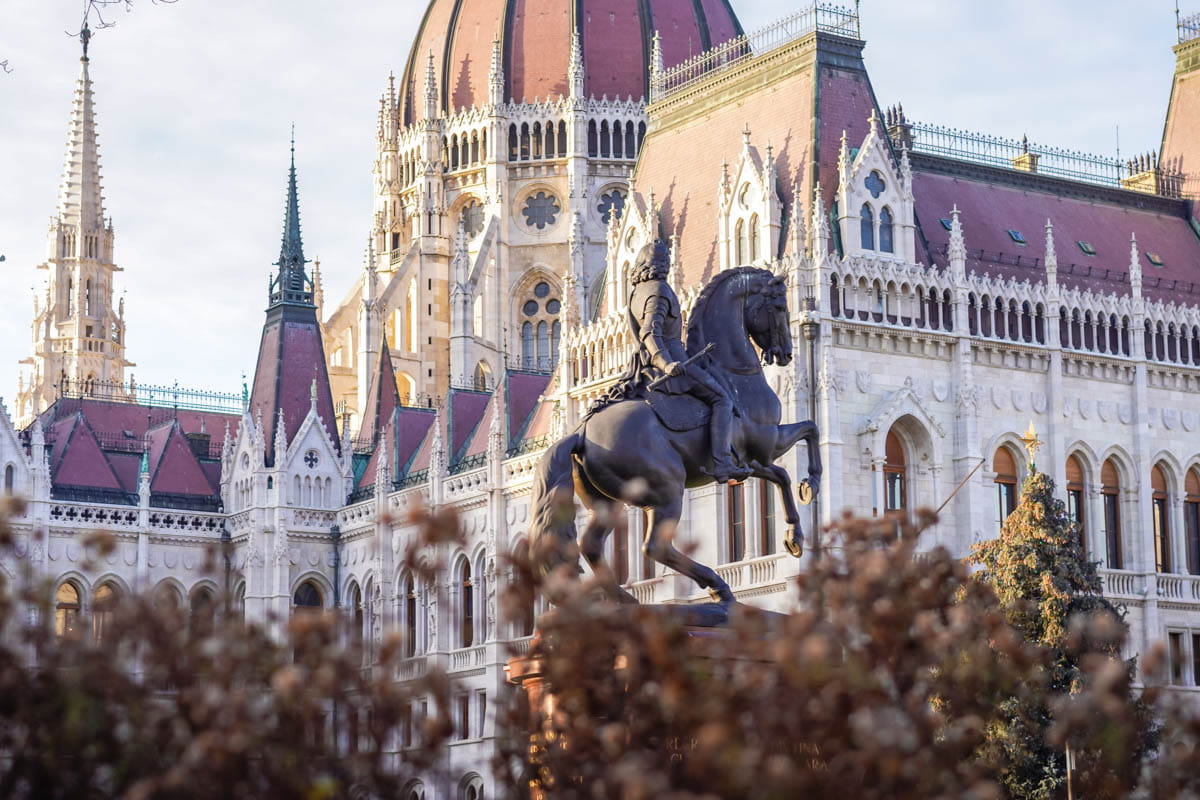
(669, 423)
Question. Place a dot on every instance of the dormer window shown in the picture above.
(947, 224)
(1017, 237)
(1154, 258)
(1087, 248)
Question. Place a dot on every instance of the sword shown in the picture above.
(688, 363)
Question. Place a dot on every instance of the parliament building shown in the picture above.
(960, 286)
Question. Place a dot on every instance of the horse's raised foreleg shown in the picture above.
(779, 476)
(604, 517)
(660, 546)
(789, 435)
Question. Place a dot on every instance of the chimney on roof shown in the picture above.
(200, 444)
(1026, 161)
(1146, 175)
(899, 129)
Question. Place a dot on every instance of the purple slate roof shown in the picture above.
(466, 412)
(989, 210)
(290, 358)
(98, 445)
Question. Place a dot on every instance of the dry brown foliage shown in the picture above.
(883, 683)
(169, 706)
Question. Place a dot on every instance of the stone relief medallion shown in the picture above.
(941, 390)
(54, 553)
(1170, 418)
(998, 398)
(170, 559)
(1189, 419)
(111, 558)
(314, 558)
(1105, 410)
(1125, 413)
(862, 380)
(1068, 407)
(1018, 399)
(129, 555)
(1039, 402)
(920, 388)
(1085, 408)
(72, 552)
(189, 561)
(152, 559)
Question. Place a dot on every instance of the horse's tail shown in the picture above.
(552, 532)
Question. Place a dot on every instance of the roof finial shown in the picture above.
(85, 36)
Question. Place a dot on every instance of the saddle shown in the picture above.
(679, 412)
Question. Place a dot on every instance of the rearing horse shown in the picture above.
(622, 452)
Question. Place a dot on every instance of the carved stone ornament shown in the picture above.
(1125, 413)
(1039, 402)
(998, 398)
(1106, 410)
(941, 390)
(966, 400)
(862, 380)
(1170, 418)
(1189, 420)
(1018, 399)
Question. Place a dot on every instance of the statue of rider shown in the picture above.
(657, 323)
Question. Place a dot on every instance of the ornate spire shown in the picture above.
(796, 221)
(496, 74)
(431, 89)
(291, 285)
(820, 228)
(1135, 266)
(80, 201)
(958, 246)
(576, 70)
(1051, 256)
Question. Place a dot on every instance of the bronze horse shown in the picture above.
(622, 452)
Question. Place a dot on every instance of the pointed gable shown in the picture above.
(383, 398)
(523, 393)
(80, 461)
(466, 409)
(174, 468)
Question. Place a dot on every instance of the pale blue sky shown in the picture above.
(195, 101)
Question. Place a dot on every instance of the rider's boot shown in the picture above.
(721, 431)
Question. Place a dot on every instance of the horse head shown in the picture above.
(767, 319)
(758, 300)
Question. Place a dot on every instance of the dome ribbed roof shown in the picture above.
(535, 35)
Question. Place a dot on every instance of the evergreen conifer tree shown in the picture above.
(1051, 593)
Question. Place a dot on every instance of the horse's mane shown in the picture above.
(695, 330)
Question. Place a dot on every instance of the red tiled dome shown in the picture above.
(535, 35)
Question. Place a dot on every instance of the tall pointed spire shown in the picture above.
(80, 201)
(292, 285)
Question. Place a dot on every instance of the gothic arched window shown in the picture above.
(67, 610)
(754, 238)
(9, 478)
(308, 596)
(103, 603)
(466, 605)
(1110, 491)
(540, 330)
(408, 596)
(739, 243)
(867, 226)
(895, 472)
(886, 244)
(87, 298)
(593, 143)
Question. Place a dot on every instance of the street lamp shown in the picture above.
(810, 328)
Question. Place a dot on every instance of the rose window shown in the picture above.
(541, 210)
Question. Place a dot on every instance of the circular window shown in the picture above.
(542, 289)
(531, 308)
(472, 218)
(311, 459)
(554, 306)
(541, 210)
(611, 204)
